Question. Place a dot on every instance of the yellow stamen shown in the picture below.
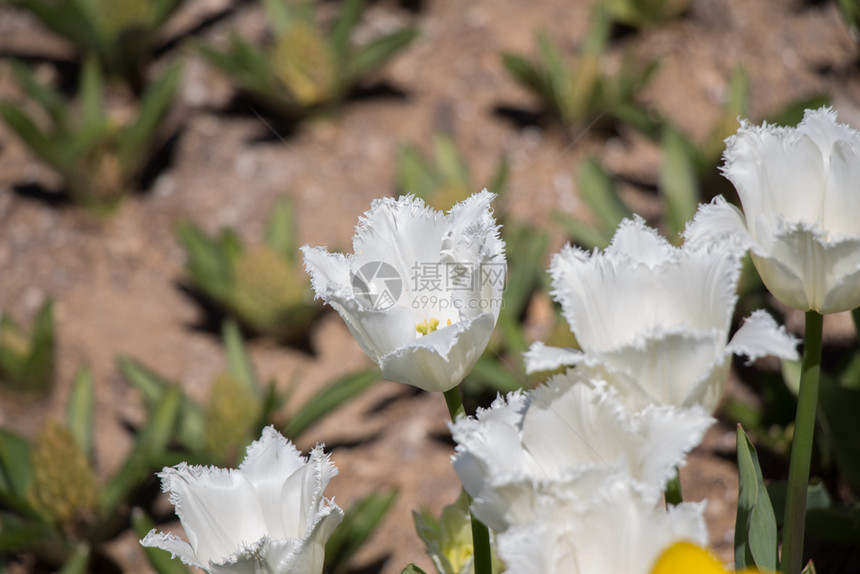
(428, 327)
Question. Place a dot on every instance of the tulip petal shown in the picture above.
(288, 485)
(668, 366)
(842, 195)
(541, 357)
(602, 295)
(618, 530)
(440, 360)
(218, 508)
(760, 336)
(794, 163)
(177, 547)
(400, 232)
(714, 222)
(377, 332)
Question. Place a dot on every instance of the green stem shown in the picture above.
(455, 403)
(672, 493)
(801, 447)
(480, 533)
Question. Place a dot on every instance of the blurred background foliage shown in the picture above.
(103, 133)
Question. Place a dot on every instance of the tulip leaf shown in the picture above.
(359, 523)
(237, 356)
(413, 569)
(755, 526)
(160, 560)
(328, 399)
(79, 412)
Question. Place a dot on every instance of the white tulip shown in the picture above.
(619, 528)
(569, 427)
(422, 291)
(800, 191)
(653, 319)
(268, 516)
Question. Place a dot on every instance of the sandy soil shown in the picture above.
(115, 280)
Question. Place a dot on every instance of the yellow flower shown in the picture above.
(687, 558)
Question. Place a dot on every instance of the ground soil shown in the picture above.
(116, 279)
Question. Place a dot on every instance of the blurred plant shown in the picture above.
(445, 179)
(305, 70)
(27, 359)
(448, 539)
(52, 506)
(100, 157)
(642, 13)
(239, 405)
(263, 287)
(579, 94)
(120, 33)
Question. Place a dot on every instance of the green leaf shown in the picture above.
(598, 191)
(792, 114)
(80, 410)
(413, 569)
(278, 14)
(582, 233)
(526, 251)
(755, 525)
(136, 140)
(451, 166)
(500, 178)
(151, 445)
(78, 562)
(490, 373)
(91, 92)
(281, 230)
(347, 17)
(679, 185)
(209, 264)
(26, 534)
(378, 51)
(359, 523)
(192, 424)
(53, 102)
(238, 360)
(528, 75)
(328, 399)
(45, 146)
(414, 175)
(16, 471)
(160, 560)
